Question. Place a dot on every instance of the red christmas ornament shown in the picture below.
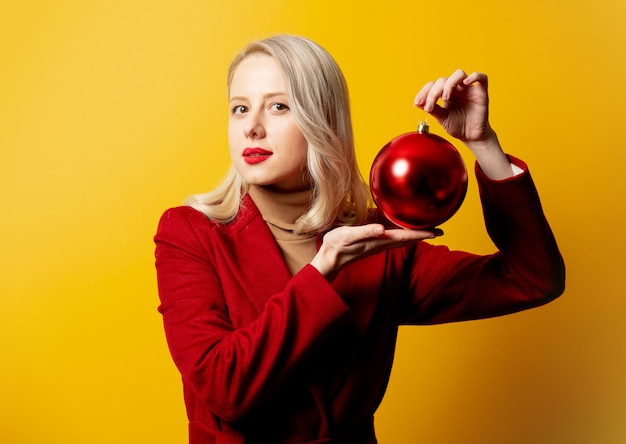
(418, 180)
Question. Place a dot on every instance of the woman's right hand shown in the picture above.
(347, 244)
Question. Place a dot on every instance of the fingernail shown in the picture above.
(438, 232)
(378, 230)
(428, 107)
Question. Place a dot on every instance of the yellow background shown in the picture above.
(112, 111)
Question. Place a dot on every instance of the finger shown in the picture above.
(427, 98)
(420, 98)
(479, 78)
(434, 94)
(355, 234)
(405, 235)
(456, 79)
(396, 238)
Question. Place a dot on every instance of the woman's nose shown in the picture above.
(254, 127)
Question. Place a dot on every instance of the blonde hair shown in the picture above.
(319, 102)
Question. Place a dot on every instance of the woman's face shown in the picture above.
(266, 146)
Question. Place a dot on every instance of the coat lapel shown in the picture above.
(261, 267)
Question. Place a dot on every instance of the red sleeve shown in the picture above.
(234, 369)
(526, 271)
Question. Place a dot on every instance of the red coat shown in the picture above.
(267, 357)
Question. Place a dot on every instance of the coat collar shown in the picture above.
(261, 267)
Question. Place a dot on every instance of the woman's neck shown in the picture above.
(280, 208)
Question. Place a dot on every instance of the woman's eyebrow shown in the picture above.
(265, 96)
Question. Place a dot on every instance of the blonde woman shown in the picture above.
(282, 290)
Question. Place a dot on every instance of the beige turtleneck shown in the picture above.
(280, 210)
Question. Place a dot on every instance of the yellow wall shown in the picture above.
(111, 111)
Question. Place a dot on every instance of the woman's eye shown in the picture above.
(238, 109)
(279, 107)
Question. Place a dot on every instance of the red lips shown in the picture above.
(255, 155)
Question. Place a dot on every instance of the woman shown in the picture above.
(282, 291)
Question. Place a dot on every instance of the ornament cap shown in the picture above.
(423, 128)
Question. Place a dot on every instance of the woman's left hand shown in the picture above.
(464, 114)
(464, 109)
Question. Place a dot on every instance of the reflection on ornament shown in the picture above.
(418, 180)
